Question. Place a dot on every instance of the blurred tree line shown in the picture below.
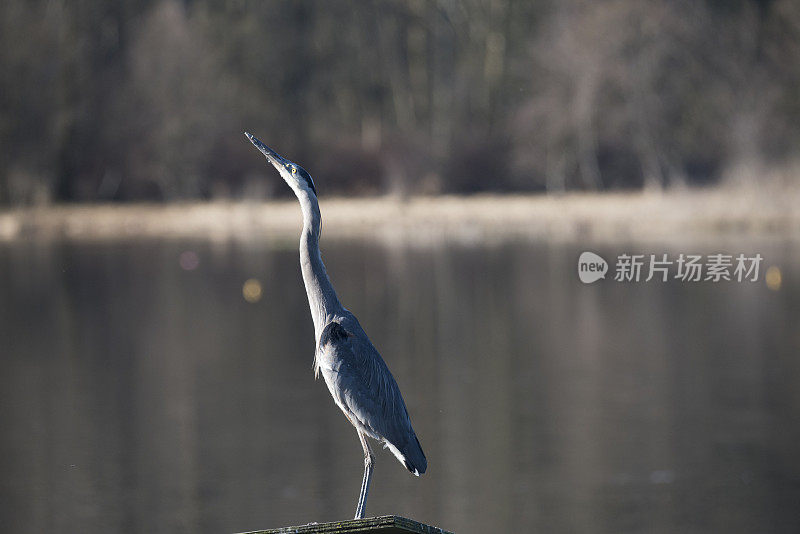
(147, 99)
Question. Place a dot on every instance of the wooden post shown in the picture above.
(385, 524)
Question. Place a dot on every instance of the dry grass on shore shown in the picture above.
(599, 217)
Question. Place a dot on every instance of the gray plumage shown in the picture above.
(353, 370)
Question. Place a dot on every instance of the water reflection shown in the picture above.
(142, 395)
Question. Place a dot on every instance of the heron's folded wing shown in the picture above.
(361, 382)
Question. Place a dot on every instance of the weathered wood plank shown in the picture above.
(386, 524)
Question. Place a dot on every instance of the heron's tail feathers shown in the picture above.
(413, 457)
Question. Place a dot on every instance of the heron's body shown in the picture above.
(365, 390)
(355, 373)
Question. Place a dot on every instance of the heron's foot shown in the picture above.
(360, 509)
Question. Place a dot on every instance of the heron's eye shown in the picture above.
(294, 170)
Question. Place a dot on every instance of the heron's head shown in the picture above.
(294, 175)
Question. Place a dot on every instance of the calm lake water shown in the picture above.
(139, 394)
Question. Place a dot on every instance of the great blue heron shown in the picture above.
(355, 373)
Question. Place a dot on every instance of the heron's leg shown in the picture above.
(369, 459)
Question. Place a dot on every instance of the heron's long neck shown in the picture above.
(321, 296)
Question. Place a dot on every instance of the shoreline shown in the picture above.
(696, 215)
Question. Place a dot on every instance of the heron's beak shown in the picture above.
(273, 157)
